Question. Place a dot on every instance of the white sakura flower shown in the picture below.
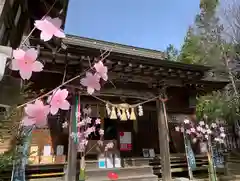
(201, 123)
(203, 130)
(209, 131)
(223, 135)
(100, 142)
(206, 136)
(186, 121)
(188, 131)
(213, 125)
(182, 129)
(87, 120)
(65, 124)
(206, 126)
(101, 132)
(177, 128)
(199, 128)
(221, 129)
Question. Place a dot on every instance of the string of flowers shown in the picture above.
(203, 132)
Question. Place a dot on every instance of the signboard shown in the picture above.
(125, 141)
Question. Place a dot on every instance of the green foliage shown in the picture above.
(218, 105)
(172, 53)
(203, 41)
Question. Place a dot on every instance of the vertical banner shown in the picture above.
(190, 156)
(18, 172)
(218, 159)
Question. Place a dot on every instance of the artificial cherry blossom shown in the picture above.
(101, 132)
(223, 135)
(36, 114)
(213, 125)
(201, 123)
(65, 124)
(91, 82)
(101, 70)
(177, 128)
(58, 101)
(97, 121)
(221, 129)
(49, 27)
(186, 121)
(25, 62)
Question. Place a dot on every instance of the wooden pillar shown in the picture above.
(72, 151)
(163, 142)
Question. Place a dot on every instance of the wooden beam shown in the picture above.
(72, 151)
(163, 142)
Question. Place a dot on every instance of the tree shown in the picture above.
(172, 53)
(202, 43)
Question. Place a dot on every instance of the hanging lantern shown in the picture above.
(113, 113)
(140, 111)
(132, 116)
(124, 116)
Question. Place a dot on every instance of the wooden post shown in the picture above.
(72, 151)
(163, 142)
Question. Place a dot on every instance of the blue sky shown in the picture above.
(143, 23)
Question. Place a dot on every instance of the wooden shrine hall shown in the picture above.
(135, 75)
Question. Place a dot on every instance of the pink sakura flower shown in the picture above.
(36, 114)
(97, 121)
(58, 101)
(91, 82)
(188, 131)
(49, 27)
(192, 130)
(101, 70)
(25, 62)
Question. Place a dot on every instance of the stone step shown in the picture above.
(122, 172)
(127, 178)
